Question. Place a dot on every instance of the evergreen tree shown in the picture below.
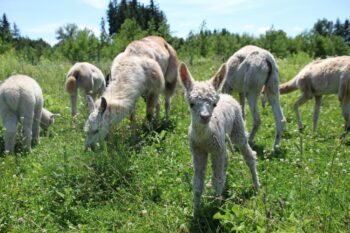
(15, 31)
(5, 31)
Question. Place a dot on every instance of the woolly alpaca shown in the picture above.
(88, 78)
(21, 97)
(146, 68)
(47, 118)
(249, 70)
(321, 77)
(213, 117)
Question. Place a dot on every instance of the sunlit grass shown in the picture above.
(141, 181)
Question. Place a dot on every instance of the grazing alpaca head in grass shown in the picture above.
(97, 125)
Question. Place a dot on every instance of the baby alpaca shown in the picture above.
(88, 78)
(47, 118)
(213, 117)
(321, 77)
(249, 70)
(20, 97)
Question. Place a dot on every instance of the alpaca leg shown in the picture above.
(242, 102)
(27, 131)
(167, 106)
(200, 160)
(346, 114)
(151, 102)
(10, 122)
(253, 104)
(302, 99)
(219, 164)
(318, 100)
(278, 115)
(238, 137)
(36, 125)
(73, 102)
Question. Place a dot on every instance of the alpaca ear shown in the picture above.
(91, 103)
(186, 77)
(219, 77)
(103, 105)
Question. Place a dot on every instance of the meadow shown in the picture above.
(140, 180)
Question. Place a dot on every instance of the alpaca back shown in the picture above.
(250, 62)
(20, 94)
(87, 77)
(133, 76)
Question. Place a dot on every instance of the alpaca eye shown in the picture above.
(191, 105)
(214, 105)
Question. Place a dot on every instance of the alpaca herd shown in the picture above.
(150, 67)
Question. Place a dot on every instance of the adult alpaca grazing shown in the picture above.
(321, 77)
(21, 97)
(146, 68)
(213, 117)
(86, 77)
(249, 70)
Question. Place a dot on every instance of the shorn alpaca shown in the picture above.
(20, 97)
(321, 77)
(249, 70)
(147, 68)
(213, 117)
(86, 77)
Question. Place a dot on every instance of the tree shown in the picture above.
(66, 32)
(5, 31)
(323, 27)
(103, 34)
(15, 31)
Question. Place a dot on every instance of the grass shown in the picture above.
(141, 181)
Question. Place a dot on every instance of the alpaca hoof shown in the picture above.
(302, 128)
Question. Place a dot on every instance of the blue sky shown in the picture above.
(41, 18)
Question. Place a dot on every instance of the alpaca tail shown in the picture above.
(71, 85)
(289, 86)
(272, 82)
(344, 90)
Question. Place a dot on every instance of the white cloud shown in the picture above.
(248, 27)
(98, 4)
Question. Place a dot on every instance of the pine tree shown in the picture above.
(15, 31)
(5, 31)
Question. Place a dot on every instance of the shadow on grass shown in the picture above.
(204, 221)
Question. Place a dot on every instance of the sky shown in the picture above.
(41, 18)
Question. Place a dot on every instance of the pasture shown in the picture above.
(140, 181)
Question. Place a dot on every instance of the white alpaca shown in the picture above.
(321, 77)
(249, 70)
(20, 97)
(213, 117)
(88, 78)
(47, 118)
(134, 73)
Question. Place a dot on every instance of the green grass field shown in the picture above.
(141, 181)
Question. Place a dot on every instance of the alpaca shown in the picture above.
(214, 116)
(20, 97)
(249, 70)
(88, 78)
(146, 68)
(47, 118)
(322, 77)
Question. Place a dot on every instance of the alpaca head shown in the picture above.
(202, 96)
(97, 125)
(47, 118)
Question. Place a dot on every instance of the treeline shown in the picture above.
(10, 38)
(130, 20)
